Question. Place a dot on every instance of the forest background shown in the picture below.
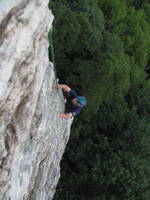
(102, 50)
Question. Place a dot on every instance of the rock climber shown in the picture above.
(74, 103)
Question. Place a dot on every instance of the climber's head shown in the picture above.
(81, 101)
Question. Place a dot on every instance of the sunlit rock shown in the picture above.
(32, 136)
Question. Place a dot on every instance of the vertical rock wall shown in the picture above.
(32, 136)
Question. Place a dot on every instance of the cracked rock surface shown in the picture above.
(32, 136)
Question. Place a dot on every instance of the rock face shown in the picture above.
(32, 136)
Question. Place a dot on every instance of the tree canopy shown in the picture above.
(102, 50)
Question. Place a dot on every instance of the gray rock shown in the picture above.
(32, 136)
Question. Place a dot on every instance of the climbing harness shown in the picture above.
(54, 64)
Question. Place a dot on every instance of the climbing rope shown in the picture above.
(54, 64)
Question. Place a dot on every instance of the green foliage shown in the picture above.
(115, 12)
(110, 159)
(138, 36)
(80, 35)
(102, 50)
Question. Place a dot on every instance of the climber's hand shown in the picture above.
(65, 116)
(59, 86)
(64, 87)
(61, 114)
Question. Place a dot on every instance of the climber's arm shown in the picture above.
(64, 87)
(65, 116)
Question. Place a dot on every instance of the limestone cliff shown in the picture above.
(32, 136)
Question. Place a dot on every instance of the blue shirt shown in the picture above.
(74, 109)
